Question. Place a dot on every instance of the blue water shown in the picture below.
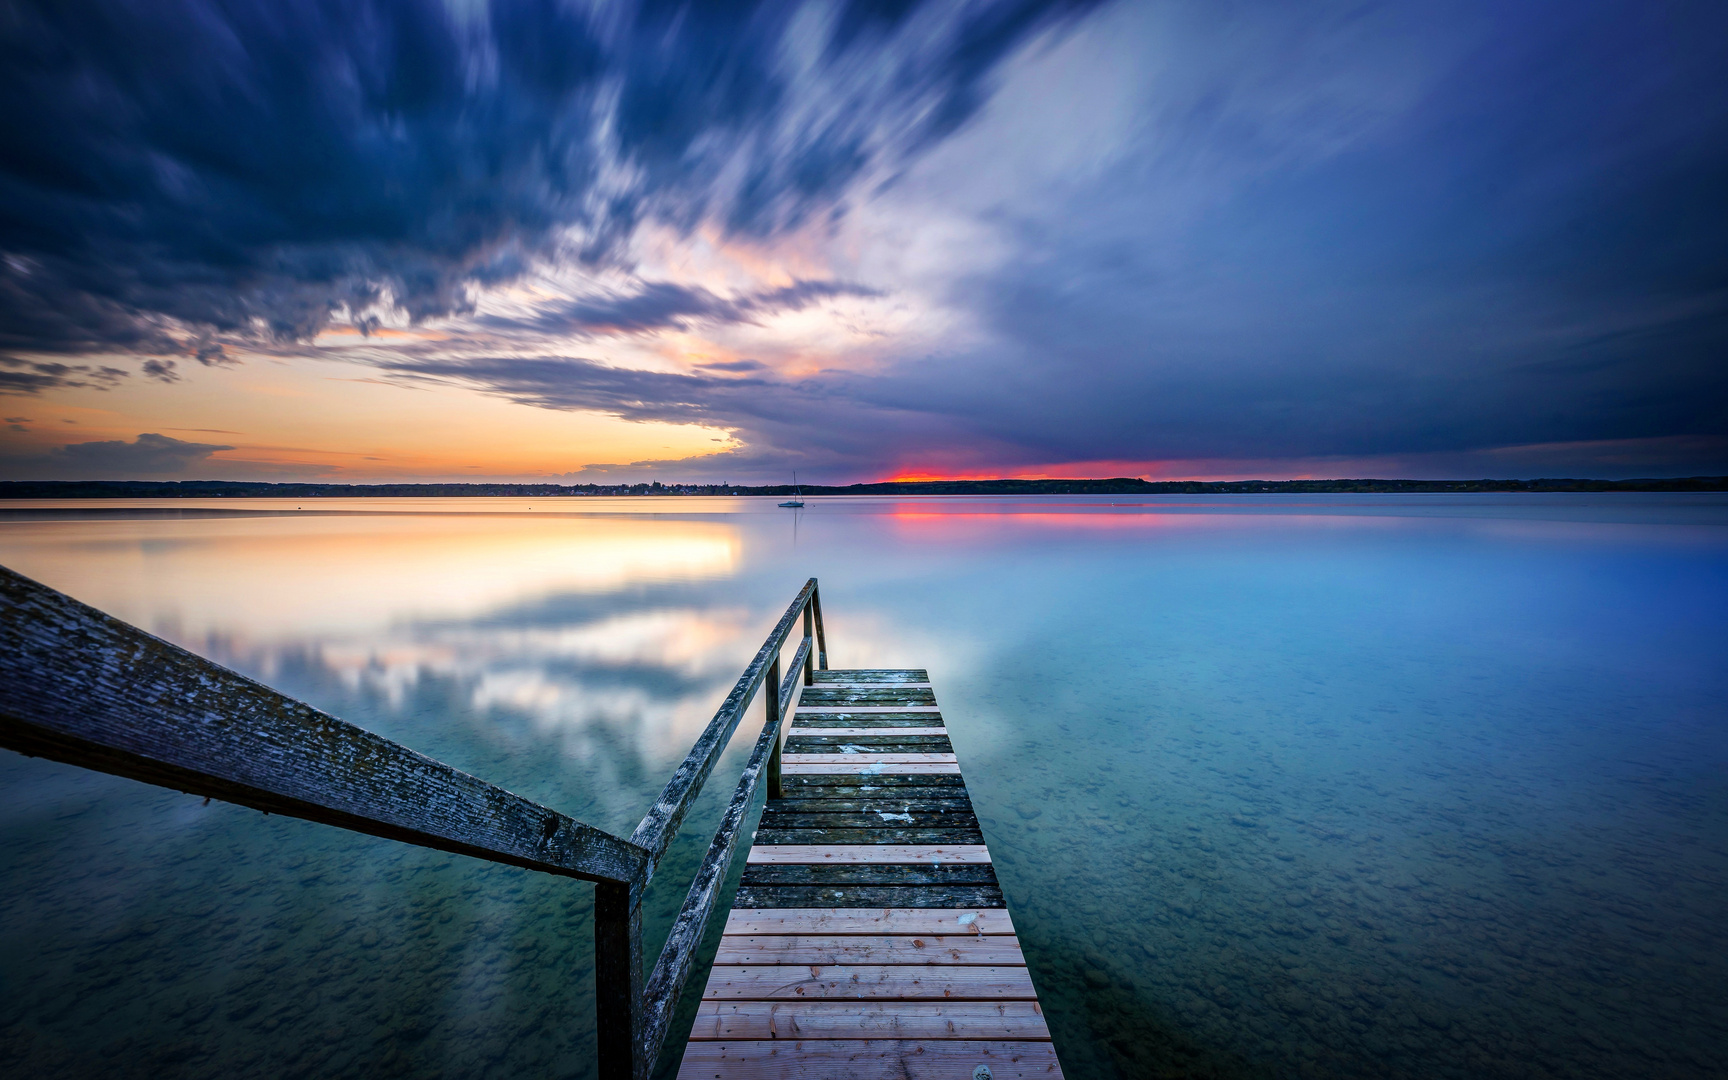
(1330, 786)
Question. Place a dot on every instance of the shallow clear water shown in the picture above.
(1342, 786)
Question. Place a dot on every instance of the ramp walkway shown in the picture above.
(869, 936)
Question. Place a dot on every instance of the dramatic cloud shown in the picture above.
(660, 305)
(828, 421)
(30, 377)
(175, 168)
(147, 456)
(1155, 236)
(1432, 240)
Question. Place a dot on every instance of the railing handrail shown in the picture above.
(634, 1017)
(660, 825)
(84, 688)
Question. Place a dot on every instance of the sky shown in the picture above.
(399, 240)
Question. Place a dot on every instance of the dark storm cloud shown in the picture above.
(147, 455)
(1459, 233)
(1469, 237)
(1530, 249)
(251, 166)
(660, 305)
(833, 420)
(33, 376)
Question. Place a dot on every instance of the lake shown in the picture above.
(1277, 786)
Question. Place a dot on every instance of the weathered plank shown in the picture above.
(872, 759)
(852, 747)
(821, 695)
(863, 686)
(829, 684)
(997, 1020)
(887, 786)
(869, 853)
(869, 710)
(862, 766)
(890, 814)
(810, 949)
(952, 781)
(822, 920)
(869, 874)
(820, 1059)
(868, 690)
(820, 722)
(82, 687)
(805, 730)
(875, 742)
(873, 675)
(857, 982)
(800, 805)
(898, 836)
(870, 896)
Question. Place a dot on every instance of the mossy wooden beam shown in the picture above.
(87, 689)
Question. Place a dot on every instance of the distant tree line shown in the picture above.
(216, 489)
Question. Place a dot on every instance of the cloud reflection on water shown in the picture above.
(1357, 786)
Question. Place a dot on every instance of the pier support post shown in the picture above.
(771, 691)
(821, 637)
(618, 982)
(809, 657)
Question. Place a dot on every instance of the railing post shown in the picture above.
(618, 982)
(809, 657)
(772, 689)
(821, 638)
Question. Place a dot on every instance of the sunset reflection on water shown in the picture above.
(1274, 786)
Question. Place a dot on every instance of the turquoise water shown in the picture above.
(1331, 786)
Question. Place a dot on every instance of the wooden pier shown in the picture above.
(869, 936)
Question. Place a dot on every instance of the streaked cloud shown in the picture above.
(661, 305)
(928, 238)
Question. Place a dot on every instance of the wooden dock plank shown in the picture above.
(863, 767)
(828, 684)
(744, 920)
(871, 759)
(866, 692)
(869, 874)
(805, 949)
(816, 723)
(801, 731)
(876, 742)
(817, 1059)
(992, 1020)
(798, 804)
(884, 815)
(880, 982)
(924, 785)
(875, 836)
(868, 853)
(877, 676)
(868, 710)
(870, 896)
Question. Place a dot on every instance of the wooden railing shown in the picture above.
(84, 688)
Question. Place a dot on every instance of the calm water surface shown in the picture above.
(1325, 786)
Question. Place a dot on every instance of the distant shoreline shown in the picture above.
(219, 489)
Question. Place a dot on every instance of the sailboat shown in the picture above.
(797, 498)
